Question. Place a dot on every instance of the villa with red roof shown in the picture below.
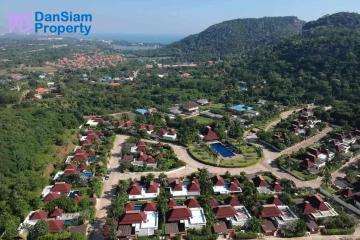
(280, 215)
(144, 160)
(179, 188)
(187, 216)
(317, 208)
(139, 191)
(221, 186)
(168, 134)
(148, 128)
(142, 222)
(236, 215)
(209, 135)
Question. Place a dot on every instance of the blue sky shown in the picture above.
(175, 17)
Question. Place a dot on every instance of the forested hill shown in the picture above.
(321, 64)
(337, 20)
(235, 37)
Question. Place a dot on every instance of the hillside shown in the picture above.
(235, 37)
(321, 64)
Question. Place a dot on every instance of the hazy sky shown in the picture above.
(179, 17)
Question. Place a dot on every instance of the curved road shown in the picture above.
(192, 165)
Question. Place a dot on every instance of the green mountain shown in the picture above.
(235, 37)
(322, 65)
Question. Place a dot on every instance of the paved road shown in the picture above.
(191, 166)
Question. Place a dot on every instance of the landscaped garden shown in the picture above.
(245, 155)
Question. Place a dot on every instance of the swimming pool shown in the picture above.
(224, 151)
(86, 174)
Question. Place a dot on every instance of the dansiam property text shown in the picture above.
(63, 23)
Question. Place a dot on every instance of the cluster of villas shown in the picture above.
(77, 166)
(184, 212)
(303, 122)
(164, 133)
(338, 143)
(144, 154)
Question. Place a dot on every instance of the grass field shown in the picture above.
(203, 120)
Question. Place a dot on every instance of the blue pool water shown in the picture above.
(224, 151)
(86, 174)
(241, 108)
(138, 207)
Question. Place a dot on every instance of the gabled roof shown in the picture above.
(192, 203)
(150, 207)
(153, 187)
(213, 202)
(129, 206)
(220, 228)
(270, 210)
(317, 202)
(56, 226)
(172, 203)
(234, 201)
(209, 134)
(61, 187)
(177, 185)
(39, 215)
(234, 185)
(277, 186)
(307, 208)
(224, 211)
(135, 189)
(259, 181)
(218, 181)
(57, 212)
(130, 217)
(275, 200)
(194, 186)
(51, 196)
(178, 213)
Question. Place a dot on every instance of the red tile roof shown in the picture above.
(210, 135)
(277, 187)
(259, 181)
(224, 211)
(178, 213)
(192, 203)
(172, 203)
(318, 203)
(270, 210)
(39, 215)
(276, 200)
(153, 187)
(129, 206)
(218, 181)
(130, 217)
(234, 201)
(307, 208)
(150, 207)
(213, 202)
(194, 186)
(61, 187)
(177, 185)
(135, 189)
(42, 90)
(56, 226)
(51, 196)
(57, 212)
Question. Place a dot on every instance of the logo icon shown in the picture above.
(20, 22)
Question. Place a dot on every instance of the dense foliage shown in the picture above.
(235, 37)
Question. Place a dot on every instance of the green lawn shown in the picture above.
(203, 154)
(203, 120)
